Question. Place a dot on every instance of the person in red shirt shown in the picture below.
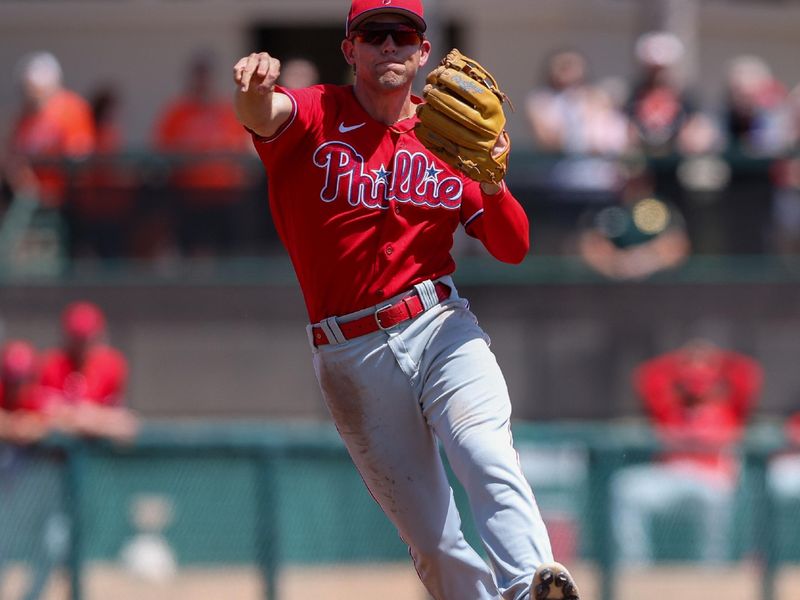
(368, 215)
(665, 119)
(193, 128)
(54, 123)
(85, 378)
(699, 399)
(25, 419)
(57, 393)
(22, 416)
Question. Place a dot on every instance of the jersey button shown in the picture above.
(389, 250)
(380, 293)
(397, 210)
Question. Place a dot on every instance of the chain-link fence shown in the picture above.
(278, 511)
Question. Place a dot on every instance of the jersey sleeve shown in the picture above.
(306, 115)
(34, 399)
(107, 378)
(52, 371)
(745, 377)
(654, 382)
(498, 221)
(471, 204)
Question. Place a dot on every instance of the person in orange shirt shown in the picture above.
(209, 188)
(85, 379)
(53, 123)
(699, 399)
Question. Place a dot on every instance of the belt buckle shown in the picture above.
(378, 318)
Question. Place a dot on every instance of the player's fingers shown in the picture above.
(266, 64)
(268, 70)
(502, 144)
(238, 70)
(250, 66)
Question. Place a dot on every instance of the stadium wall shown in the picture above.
(240, 350)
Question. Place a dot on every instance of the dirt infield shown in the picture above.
(397, 582)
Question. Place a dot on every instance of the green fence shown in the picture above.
(275, 495)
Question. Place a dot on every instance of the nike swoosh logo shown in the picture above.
(345, 128)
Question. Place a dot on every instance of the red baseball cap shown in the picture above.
(362, 9)
(83, 320)
(18, 360)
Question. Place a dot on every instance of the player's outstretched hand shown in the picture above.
(257, 107)
(258, 72)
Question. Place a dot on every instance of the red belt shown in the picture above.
(383, 318)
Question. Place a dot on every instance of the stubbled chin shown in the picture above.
(392, 79)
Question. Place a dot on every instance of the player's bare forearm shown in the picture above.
(258, 106)
(22, 427)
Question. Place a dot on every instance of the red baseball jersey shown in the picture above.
(364, 210)
(28, 398)
(100, 380)
(728, 386)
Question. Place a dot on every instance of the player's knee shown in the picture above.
(432, 550)
(489, 471)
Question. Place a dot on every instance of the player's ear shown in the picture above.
(424, 52)
(347, 51)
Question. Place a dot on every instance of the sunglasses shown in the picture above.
(401, 34)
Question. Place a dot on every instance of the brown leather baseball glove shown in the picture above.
(462, 118)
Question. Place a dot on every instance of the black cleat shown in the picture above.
(552, 581)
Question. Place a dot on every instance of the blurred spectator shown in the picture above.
(665, 120)
(298, 73)
(102, 213)
(21, 402)
(209, 189)
(58, 401)
(86, 378)
(783, 474)
(105, 102)
(569, 115)
(53, 123)
(754, 108)
(24, 420)
(636, 237)
(699, 399)
(555, 109)
(583, 124)
(785, 234)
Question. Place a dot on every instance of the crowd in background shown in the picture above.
(69, 154)
(643, 213)
(593, 188)
(624, 216)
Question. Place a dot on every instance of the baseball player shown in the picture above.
(367, 214)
